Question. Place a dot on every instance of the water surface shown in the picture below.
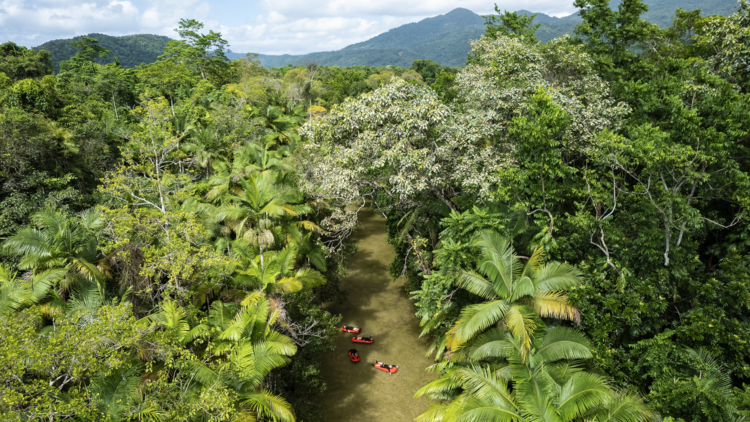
(381, 307)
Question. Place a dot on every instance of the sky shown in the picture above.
(258, 26)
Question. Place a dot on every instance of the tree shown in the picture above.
(515, 293)
(388, 141)
(19, 62)
(83, 62)
(113, 80)
(203, 52)
(727, 40)
(275, 273)
(62, 243)
(241, 350)
(47, 376)
(510, 24)
(165, 77)
(250, 209)
(17, 293)
(148, 211)
(613, 36)
(500, 382)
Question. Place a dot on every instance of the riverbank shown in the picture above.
(383, 309)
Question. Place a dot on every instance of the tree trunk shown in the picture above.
(114, 105)
(422, 262)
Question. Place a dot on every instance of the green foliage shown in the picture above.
(204, 53)
(186, 168)
(494, 380)
(83, 62)
(727, 40)
(510, 24)
(50, 375)
(599, 180)
(18, 62)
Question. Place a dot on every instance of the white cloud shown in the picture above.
(34, 22)
(348, 8)
(279, 26)
(285, 36)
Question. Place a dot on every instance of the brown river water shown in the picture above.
(381, 307)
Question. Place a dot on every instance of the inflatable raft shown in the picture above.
(348, 329)
(366, 340)
(354, 355)
(391, 369)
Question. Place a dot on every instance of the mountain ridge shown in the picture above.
(443, 39)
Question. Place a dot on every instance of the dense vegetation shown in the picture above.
(158, 260)
(571, 218)
(573, 224)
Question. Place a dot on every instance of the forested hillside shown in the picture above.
(570, 218)
(445, 38)
(131, 50)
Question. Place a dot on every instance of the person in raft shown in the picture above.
(382, 365)
(364, 338)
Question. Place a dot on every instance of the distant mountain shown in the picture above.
(443, 39)
(131, 50)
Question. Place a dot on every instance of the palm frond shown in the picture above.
(202, 373)
(555, 305)
(564, 343)
(474, 319)
(555, 276)
(476, 284)
(114, 393)
(498, 261)
(625, 407)
(494, 344)
(583, 391)
(265, 404)
(522, 321)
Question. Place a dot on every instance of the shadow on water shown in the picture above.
(381, 307)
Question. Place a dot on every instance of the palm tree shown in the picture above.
(494, 380)
(276, 273)
(516, 293)
(263, 157)
(119, 399)
(241, 349)
(61, 242)
(281, 123)
(249, 208)
(250, 158)
(205, 146)
(17, 293)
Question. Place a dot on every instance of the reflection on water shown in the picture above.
(381, 307)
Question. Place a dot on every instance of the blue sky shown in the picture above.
(259, 26)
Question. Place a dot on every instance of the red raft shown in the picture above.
(366, 340)
(348, 329)
(354, 355)
(391, 369)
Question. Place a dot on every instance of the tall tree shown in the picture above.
(203, 52)
(83, 62)
(510, 24)
(515, 292)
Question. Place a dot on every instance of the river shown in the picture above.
(381, 307)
